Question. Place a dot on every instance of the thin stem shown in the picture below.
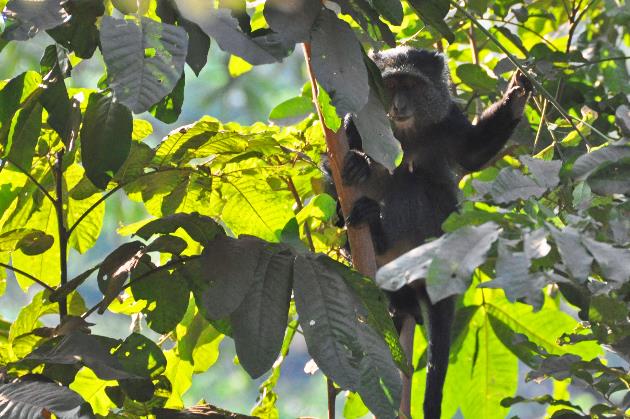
(513, 60)
(602, 60)
(145, 275)
(26, 274)
(542, 122)
(32, 179)
(298, 203)
(93, 206)
(332, 395)
(63, 234)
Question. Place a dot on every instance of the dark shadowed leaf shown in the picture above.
(326, 306)
(612, 178)
(105, 138)
(260, 321)
(510, 185)
(221, 25)
(367, 17)
(144, 58)
(32, 16)
(80, 34)
(376, 133)
(292, 19)
(576, 259)
(81, 349)
(200, 228)
(115, 269)
(390, 9)
(167, 296)
(338, 63)
(514, 278)
(35, 399)
(140, 356)
(587, 163)
(612, 261)
(433, 13)
(168, 109)
(545, 173)
(447, 263)
(221, 277)
(24, 238)
(35, 243)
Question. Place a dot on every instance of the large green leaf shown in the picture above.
(80, 34)
(86, 233)
(144, 58)
(31, 399)
(105, 138)
(433, 13)
(260, 321)
(199, 227)
(23, 135)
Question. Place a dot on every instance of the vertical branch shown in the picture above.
(359, 237)
(63, 234)
(360, 240)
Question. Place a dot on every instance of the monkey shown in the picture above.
(405, 208)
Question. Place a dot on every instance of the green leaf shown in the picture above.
(105, 138)
(611, 260)
(28, 398)
(329, 113)
(145, 59)
(484, 372)
(589, 162)
(23, 135)
(368, 18)
(167, 299)
(258, 324)
(337, 62)
(92, 388)
(354, 407)
(23, 239)
(546, 173)
(576, 259)
(35, 243)
(86, 233)
(611, 178)
(179, 371)
(115, 269)
(168, 109)
(238, 66)
(292, 110)
(476, 77)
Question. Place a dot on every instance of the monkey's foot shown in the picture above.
(356, 168)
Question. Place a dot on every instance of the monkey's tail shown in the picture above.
(440, 322)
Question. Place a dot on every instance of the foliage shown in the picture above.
(242, 241)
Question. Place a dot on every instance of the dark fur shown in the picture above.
(406, 208)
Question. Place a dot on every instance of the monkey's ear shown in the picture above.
(436, 65)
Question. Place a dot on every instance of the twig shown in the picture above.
(26, 274)
(63, 235)
(32, 179)
(94, 205)
(298, 203)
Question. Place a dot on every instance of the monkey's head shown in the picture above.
(417, 83)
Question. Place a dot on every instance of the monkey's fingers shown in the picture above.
(356, 168)
(523, 81)
(364, 211)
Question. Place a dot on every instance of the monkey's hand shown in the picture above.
(356, 168)
(364, 211)
(517, 93)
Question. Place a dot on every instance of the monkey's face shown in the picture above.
(416, 101)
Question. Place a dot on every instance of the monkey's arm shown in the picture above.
(495, 126)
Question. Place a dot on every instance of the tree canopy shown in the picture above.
(241, 239)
